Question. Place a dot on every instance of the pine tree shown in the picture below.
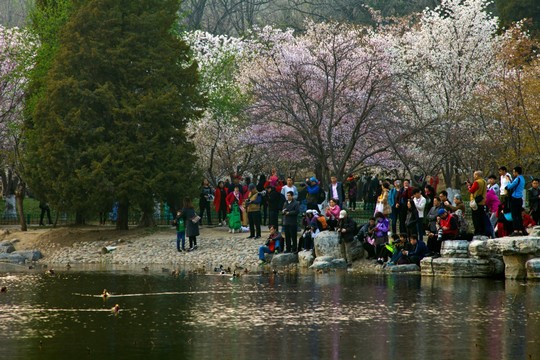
(111, 126)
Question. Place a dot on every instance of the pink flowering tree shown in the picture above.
(442, 62)
(16, 54)
(319, 97)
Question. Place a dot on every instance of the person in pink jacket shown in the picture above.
(492, 203)
(332, 213)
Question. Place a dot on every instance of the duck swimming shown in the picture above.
(105, 294)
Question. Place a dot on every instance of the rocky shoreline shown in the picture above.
(514, 258)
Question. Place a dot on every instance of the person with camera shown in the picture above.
(446, 229)
(290, 212)
(272, 244)
(253, 203)
(478, 190)
(275, 204)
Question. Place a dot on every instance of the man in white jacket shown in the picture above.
(420, 203)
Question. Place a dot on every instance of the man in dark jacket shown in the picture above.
(534, 199)
(335, 191)
(290, 211)
(419, 252)
(346, 229)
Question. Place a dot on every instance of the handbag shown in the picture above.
(195, 219)
(473, 205)
(379, 208)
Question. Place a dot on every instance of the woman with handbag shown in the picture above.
(478, 191)
(383, 206)
(191, 219)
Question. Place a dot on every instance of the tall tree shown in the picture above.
(511, 11)
(320, 97)
(112, 123)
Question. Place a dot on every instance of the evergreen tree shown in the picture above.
(111, 124)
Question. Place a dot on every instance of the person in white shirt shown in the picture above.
(506, 179)
(335, 191)
(420, 203)
(289, 187)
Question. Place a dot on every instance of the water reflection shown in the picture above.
(304, 316)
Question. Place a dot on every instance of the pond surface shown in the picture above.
(300, 316)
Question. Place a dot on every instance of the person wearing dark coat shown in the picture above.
(192, 223)
(290, 211)
(346, 229)
(335, 191)
(275, 203)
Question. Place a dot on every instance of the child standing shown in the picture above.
(180, 231)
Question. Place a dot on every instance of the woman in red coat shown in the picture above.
(220, 202)
(235, 197)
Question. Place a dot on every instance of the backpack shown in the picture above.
(463, 223)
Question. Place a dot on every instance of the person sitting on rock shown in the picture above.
(401, 242)
(414, 256)
(321, 220)
(366, 235)
(272, 244)
(307, 239)
(447, 229)
(381, 237)
(332, 213)
(528, 222)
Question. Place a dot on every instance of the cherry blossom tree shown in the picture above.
(442, 61)
(319, 97)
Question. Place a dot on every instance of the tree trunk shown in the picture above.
(147, 220)
(79, 218)
(19, 196)
(122, 218)
(56, 218)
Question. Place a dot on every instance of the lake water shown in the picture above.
(295, 316)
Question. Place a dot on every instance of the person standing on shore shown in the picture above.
(290, 222)
(516, 188)
(206, 196)
(180, 231)
(253, 202)
(191, 219)
(534, 200)
(220, 202)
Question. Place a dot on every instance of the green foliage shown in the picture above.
(111, 124)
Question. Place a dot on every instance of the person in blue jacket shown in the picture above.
(516, 200)
(420, 250)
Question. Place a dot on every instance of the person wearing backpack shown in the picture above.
(180, 231)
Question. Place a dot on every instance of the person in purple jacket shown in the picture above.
(381, 237)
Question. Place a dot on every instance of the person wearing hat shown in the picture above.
(313, 190)
(346, 229)
(253, 202)
(306, 241)
(447, 226)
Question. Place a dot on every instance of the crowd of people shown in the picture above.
(408, 223)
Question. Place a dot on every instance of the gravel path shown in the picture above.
(214, 248)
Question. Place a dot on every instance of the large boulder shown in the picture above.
(6, 247)
(533, 268)
(459, 267)
(327, 244)
(478, 249)
(455, 249)
(328, 262)
(30, 255)
(514, 266)
(305, 258)
(284, 259)
(353, 250)
(12, 258)
(535, 231)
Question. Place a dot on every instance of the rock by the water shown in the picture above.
(6, 247)
(402, 268)
(533, 268)
(327, 244)
(12, 258)
(353, 251)
(458, 267)
(339, 264)
(30, 255)
(328, 262)
(455, 249)
(514, 266)
(305, 258)
(268, 257)
(478, 249)
(480, 237)
(535, 231)
(284, 259)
